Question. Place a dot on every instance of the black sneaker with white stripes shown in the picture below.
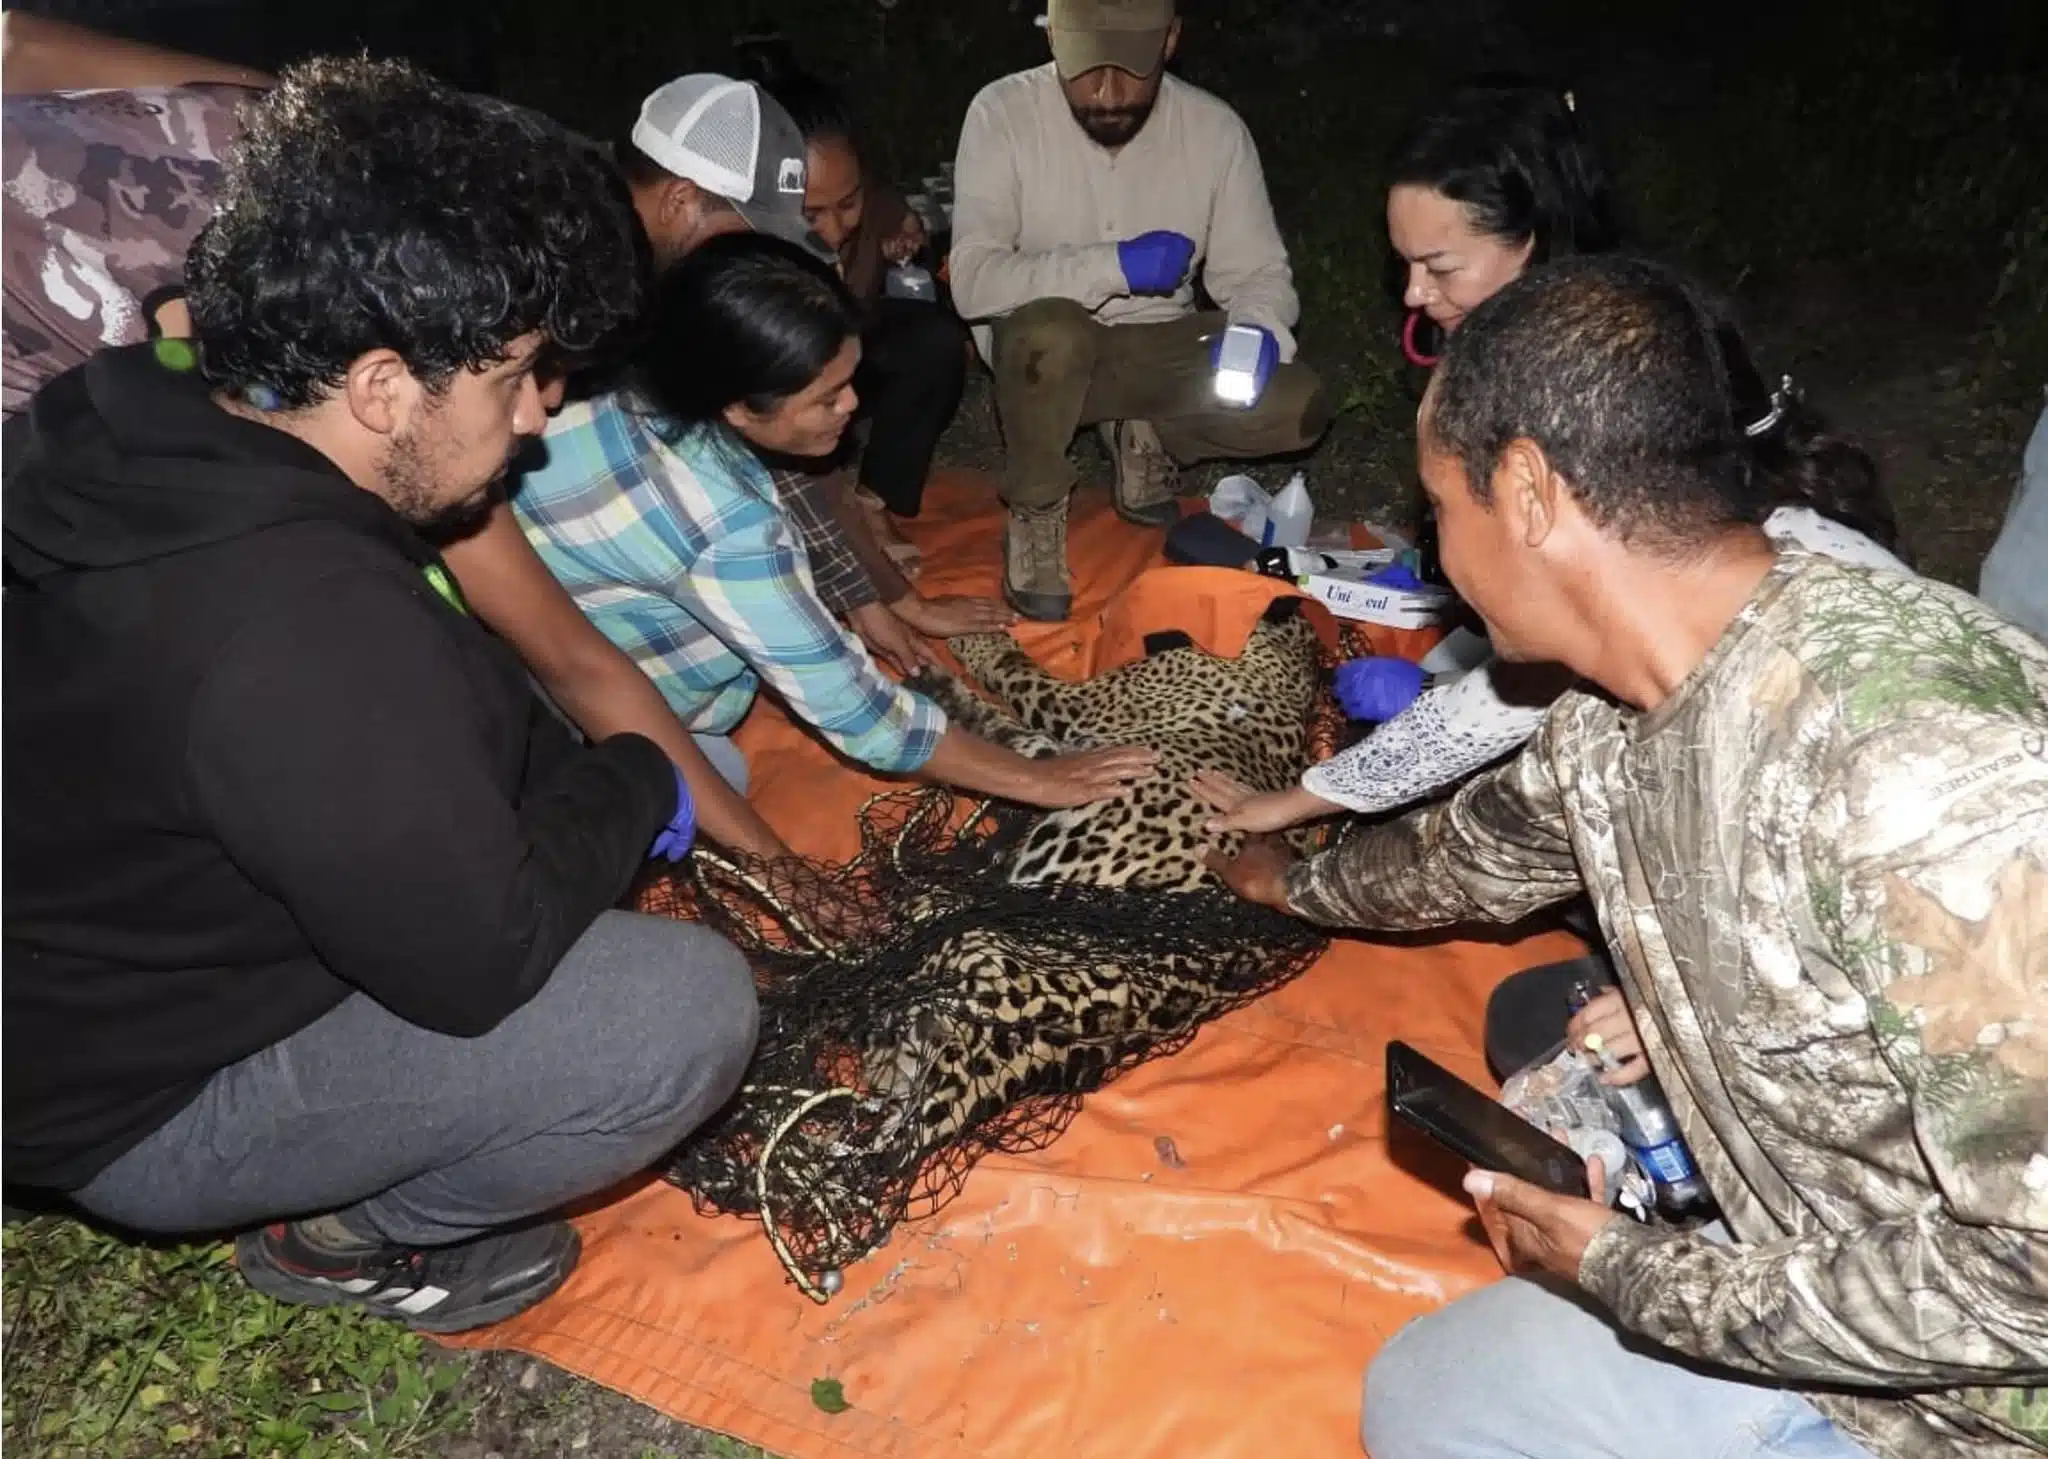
(429, 1289)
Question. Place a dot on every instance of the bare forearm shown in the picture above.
(970, 762)
(42, 54)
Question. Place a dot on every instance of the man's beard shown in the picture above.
(1113, 126)
(410, 481)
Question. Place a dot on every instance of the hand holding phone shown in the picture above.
(1424, 1094)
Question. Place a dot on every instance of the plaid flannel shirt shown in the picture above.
(674, 545)
(842, 579)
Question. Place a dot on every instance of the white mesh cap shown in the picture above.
(733, 139)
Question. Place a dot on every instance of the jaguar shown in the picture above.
(998, 975)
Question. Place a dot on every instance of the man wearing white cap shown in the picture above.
(1090, 196)
(711, 155)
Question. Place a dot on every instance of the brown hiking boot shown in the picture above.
(1147, 480)
(1035, 563)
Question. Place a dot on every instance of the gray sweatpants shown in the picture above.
(641, 1033)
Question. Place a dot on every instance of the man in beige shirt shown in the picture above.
(1092, 196)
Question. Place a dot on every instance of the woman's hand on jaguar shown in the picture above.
(1240, 808)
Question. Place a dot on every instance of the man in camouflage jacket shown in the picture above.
(1811, 807)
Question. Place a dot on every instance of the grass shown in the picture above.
(115, 1350)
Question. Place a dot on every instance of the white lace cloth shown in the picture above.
(1457, 728)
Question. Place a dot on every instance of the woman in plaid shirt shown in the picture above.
(652, 510)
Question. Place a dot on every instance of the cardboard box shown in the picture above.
(1338, 581)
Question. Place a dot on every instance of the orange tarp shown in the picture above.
(1202, 1265)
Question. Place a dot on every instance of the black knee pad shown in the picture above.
(1527, 1014)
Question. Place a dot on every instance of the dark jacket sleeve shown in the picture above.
(346, 755)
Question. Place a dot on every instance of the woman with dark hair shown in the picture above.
(1500, 179)
(654, 512)
(913, 351)
(1494, 181)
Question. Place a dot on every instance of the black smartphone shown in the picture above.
(1469, 1123)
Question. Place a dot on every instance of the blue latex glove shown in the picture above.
(1157, 262)
(1269, 361)
(1377, 689)
(673, 844)
(1397, 575)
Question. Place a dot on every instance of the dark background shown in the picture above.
(1903, 139)
(1869, 184)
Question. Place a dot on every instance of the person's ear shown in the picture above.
(1527, 491)
(679, 204)
(380, 391)
(1172, 42)
(739, 417)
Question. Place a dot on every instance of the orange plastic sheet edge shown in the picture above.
(1202, 1265)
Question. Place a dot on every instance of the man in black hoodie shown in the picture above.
(308, 896)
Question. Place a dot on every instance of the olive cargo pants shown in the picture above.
(1058, 368)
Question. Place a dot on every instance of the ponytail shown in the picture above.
(818, 110)
(1797, 459)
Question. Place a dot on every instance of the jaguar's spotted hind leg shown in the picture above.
(1071, 713)
(977, 715)
(986, 656)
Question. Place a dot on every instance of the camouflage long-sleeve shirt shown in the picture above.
(1823, 868)
(105, 191)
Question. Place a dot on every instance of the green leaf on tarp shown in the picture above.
(829, 1395)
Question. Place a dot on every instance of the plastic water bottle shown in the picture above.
(1292, 515)
(910, 281)
(1652, 1136)
(1647, 1127)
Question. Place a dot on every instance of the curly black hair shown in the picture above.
(367, 205)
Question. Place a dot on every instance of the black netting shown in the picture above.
(918, 1012)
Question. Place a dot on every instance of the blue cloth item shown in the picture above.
(1377, 689)
(674, 544)
(673, 844)
(1397, 575)
(1269, 359)
(1156, 262)
(1525, 1369)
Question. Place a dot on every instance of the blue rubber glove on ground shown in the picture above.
(1157, 262)
(673, 844)
(1269, 360)
(1377, 689)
